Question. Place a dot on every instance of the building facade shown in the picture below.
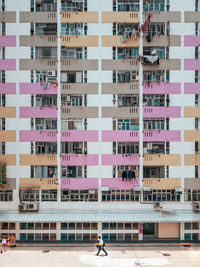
(99, 119)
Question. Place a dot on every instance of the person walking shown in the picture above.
(101, 246)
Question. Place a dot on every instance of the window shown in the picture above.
(45, 124)
(161, 195)
(154, 124)
(29, 195)
(68, 5)
(72, 147)
(128, 148)
(119, 195)
(46, 29)
(187, 226)
(72, 29)
(45, 148)
(73, 124)
(154, 5)
(49, 195)
(6, 195)
(127, 53)
(128, 124)
(46, 100)
(64, 226)
(128, 100)
(22, 226)
(127, 6)
(79, 195)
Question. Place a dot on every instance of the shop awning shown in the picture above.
(100, 216)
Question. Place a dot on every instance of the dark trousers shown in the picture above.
(101, 248)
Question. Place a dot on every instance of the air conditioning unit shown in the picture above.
(91, 192)
(178, 190)
(157, 205)
(51, 73)
(22, 207)
(196, 207)
(33, 206)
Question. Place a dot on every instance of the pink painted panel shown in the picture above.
(8, 88)
(161, 112)
(191, 64)
(84, 136)
(79, 183)
(168, 136)
(120, 136)
(79, 160)
(36, 88)
(119, 184)
(162, 88)
(191, 40)
(8, 40)
(37, 112)
(192, 88)
(121, 159)
(7, 64)
(38, 136)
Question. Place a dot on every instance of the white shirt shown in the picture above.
(101, 242)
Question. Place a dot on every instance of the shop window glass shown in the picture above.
(195, 236)
(12, 226)
(71, 226)
(188, 226)
(93, 237)
(135, 237)
(113, 226)
(64, 226)
(113, 237)
(71, 237)
(120, 236)
(64, 237)
(195, 226)
(106, 237)
(53, 237)
(86, 226)
(45, 237)
(52, 226)
(120, 226)
(187, 236)
(127, 237)
(22, 237)
(79, 237)
(45, 226)
(94, 226)
(22, 226)
(30, 237)
(135, 226)
(4, 226)
(86, 237)
(30, 226)
(105, 226)
(79, 226)
(128, 226)
(38, 226)
(38, 237)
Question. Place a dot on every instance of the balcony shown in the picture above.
(191, 40)
(79, 41)
(38, 17)
(79, 64)
(79, 160)
(38, 183)
(191, 112)
(192, 17)
(113, 41)
(39, 41)
(117, 183)
(162, 112)
(7, 64)
(9, 159)
(122, 88)
(120, 17)
(123, 112)
(79, 88)
(191, 136)
(79, 17)
(8, 17)
(8, 88)
(162, 160)
(133, 64)
(38, 112)
(163, 40)
(191, 160)
(37, 159)
(191, 64)
(162, 183)
(8, 41)
(8, 136)
(7, 112)
(79, 136)
(120, 159)
(79, 112)
(191, 88)
(162, 88)
(37, 88)
(148, 136)
(79, 183)
(191, 183)
(38, 136)
(38, 64)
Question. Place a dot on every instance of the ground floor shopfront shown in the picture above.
(113, 226)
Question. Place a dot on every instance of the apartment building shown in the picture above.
(100, 119)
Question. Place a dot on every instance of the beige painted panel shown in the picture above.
(192, 159)
(119, 64)
(40, 183)
(9, 159)
(162, 183)
(7, 112)
(190, 136)
(79, 112)
(162, 160)
(78, 64)
(165, 64)
(120, 88)
(192, 183)
(79, 88)
(192, 16)
(120, 112)
(192, 112)
(38, 159)
(8, 16)
(169, 230)
(113, 41)
(79, 17)
(110, 17)
(163, 40)
(38, 64)
(164, 16)
(79, 41)
(43, 41)
(38, 17)
(7, 136)
(11, 183)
